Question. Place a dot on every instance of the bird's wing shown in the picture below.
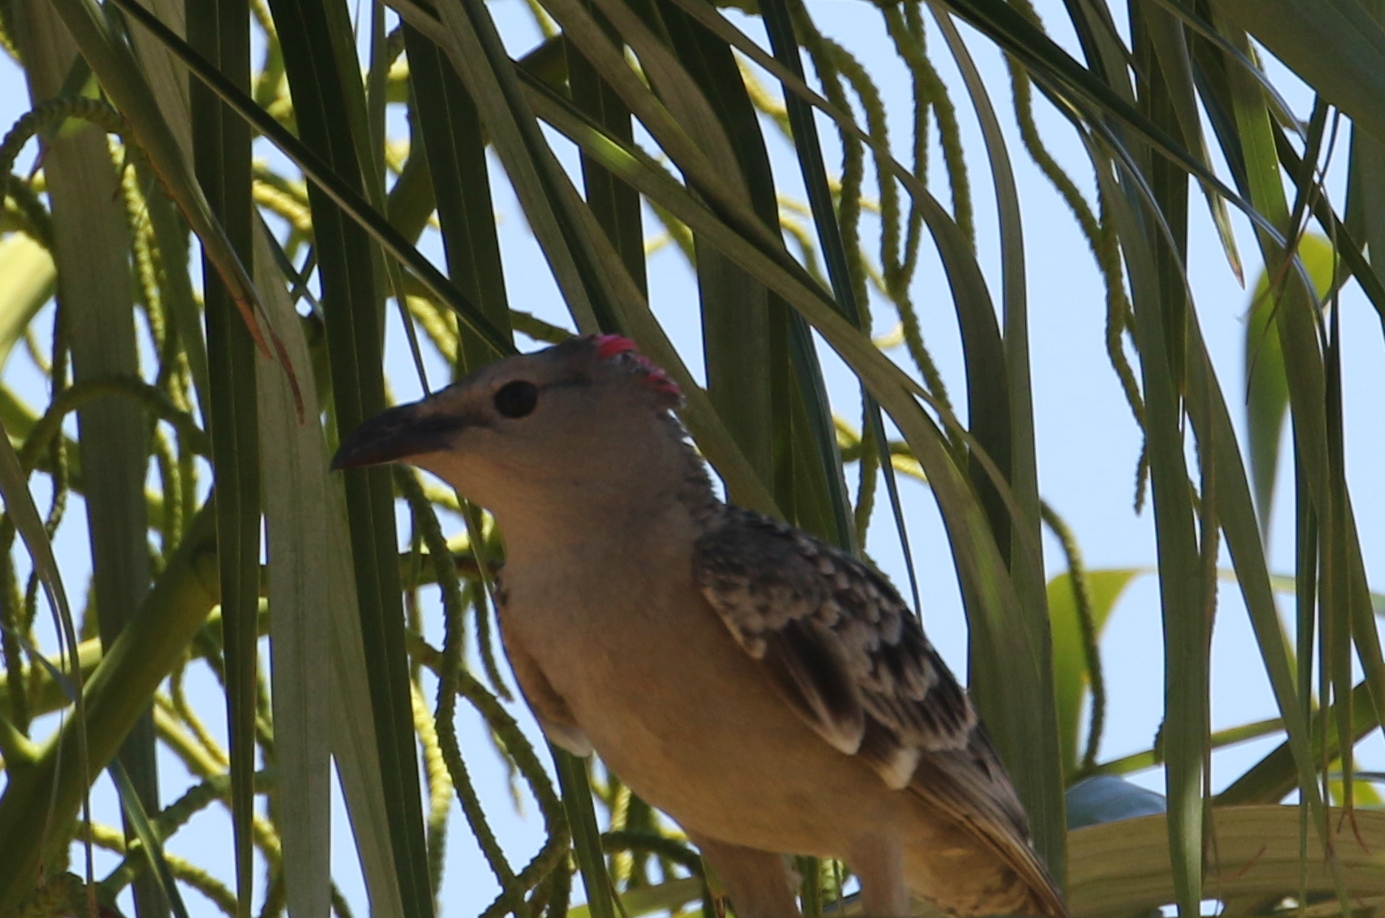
(843, 648)
(550, 709)
(853, 661)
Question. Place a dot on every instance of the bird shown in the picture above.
(772, 694)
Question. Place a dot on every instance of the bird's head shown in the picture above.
(585, 418)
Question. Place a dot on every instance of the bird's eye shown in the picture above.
(516, 399)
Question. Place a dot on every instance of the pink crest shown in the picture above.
(612, 346)
(608, 346)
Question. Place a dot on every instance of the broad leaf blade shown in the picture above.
(354, 336)
(1070, 671)
(1267, 391)
(221, 154)
(293, 463)
(91, 239)
(1122, 868)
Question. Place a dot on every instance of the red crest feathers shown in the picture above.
(608, 346)
(613, 346)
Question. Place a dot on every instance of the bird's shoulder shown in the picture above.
(843, 647)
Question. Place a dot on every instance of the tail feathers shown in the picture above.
(971, 788)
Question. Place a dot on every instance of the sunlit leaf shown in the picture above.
(1121, 868)
(1267, 391)
(1070, 670)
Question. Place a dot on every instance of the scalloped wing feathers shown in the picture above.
(842, 646)
(851, 659)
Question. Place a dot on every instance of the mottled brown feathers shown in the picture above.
(853, 661)
(841, 643)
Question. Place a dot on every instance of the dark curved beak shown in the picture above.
(396, 435)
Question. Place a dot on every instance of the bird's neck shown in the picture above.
(670, 483)
(694, 491)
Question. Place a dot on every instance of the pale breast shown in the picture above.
(682, 714)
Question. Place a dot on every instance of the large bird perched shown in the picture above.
(770, 693)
